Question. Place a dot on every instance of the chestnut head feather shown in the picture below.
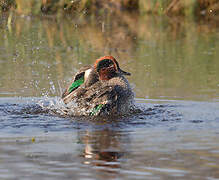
(107, 67)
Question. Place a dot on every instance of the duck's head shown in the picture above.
(107, 67)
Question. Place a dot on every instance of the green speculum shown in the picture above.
(96, 109)
(76, 84)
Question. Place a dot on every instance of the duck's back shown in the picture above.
(114, 95)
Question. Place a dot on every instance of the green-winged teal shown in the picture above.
(100, 89)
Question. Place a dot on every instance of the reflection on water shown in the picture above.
(104, 149)
(166, 139)
(177, 59)
(175, 139)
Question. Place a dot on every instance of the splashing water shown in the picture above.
(58, 107)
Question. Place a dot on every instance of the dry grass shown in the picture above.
(200, 8)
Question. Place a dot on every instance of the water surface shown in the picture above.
(173, 134)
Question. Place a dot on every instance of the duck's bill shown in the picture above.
(124, 72)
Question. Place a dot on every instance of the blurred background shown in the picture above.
(189, 8)
(171, 47)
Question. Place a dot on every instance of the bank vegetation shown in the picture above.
(190, 8)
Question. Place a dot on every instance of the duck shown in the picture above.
(86, 75)
(100, 89)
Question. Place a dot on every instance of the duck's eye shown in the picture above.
(105, 63)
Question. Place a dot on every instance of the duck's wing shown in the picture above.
(77, 80)
(97, 98)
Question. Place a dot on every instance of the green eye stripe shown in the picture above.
(104, 63)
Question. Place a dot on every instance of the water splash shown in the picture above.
(138, 113)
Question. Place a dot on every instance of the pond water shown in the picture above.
(175, 77)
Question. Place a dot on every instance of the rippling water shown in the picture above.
(173, 131)
(164, 140)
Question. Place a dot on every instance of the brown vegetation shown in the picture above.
(200, 8)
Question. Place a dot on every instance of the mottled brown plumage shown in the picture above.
(105, 85)
(91, 78)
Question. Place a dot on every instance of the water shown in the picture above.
(174, 66)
